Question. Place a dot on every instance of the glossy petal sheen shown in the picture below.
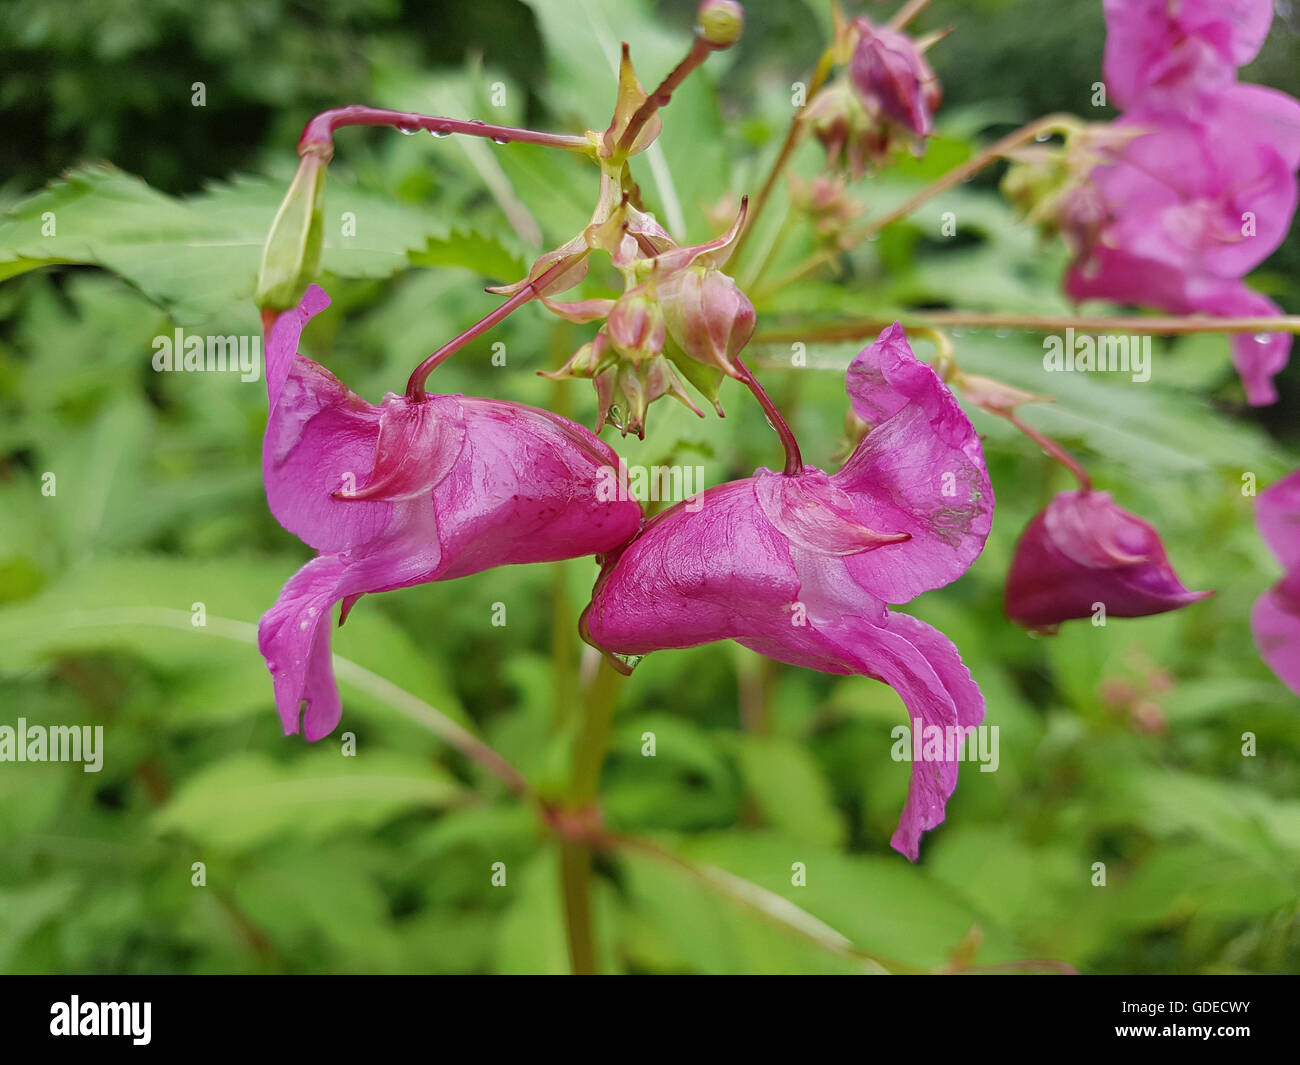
(802, 568)
(405, 493)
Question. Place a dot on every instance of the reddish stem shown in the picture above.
(318, 134)
(534, 288)
(793, 460)
(700, 49)
(1054, 450)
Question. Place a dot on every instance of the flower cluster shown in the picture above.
(1203, 186)
(800, 566)
(1171, 206)
(888, 93)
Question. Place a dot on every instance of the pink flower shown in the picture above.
(1171, 52)
(1275, 619)
(891, 75)
(801, 568)
(1083, 551)
(405, 493)
(1188, 208)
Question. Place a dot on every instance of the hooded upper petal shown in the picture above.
(1084, 550)
(919, 471)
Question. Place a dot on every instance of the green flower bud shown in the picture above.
(291, 257)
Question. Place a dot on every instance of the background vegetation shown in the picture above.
(1120, 745)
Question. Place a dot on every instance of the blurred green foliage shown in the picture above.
(1120, 745)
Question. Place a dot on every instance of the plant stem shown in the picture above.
(534, 288)
(824, 67)
(862, 328)
(575, 882)
(793, 460)
(593, 739)
(700, 49)
(782, 235)
(318, 134)
(1053, 450)
(970, 168)
(575, 855)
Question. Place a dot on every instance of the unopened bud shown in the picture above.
(720, 22)
(888, 67)
(709, 316)
(636, 326)
(291, 256)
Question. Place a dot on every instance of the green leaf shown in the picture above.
(250, 799)
(791, 791)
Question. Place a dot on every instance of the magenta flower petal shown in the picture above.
(1275, 619)
(1275, 623)
(1258, 357)
(919, 471)
(1171, 54)
(800, 567)
(1277, 513)
(888, 69)
(1084, 550)
(408, 493)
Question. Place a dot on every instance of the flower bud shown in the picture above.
(887, 67)
(850, 136)
(291, 256)
(636, 327)
(995, 397)
(1083, 551)
(708, 315)
(720, 22)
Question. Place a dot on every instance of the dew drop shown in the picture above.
(1043, 137)
(499, 140)
(440, 133)
(407, 131)
(304, 624)
(1263, 338)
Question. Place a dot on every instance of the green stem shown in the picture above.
(575, 855)
(593, 739)
(575, 880)
(824, 67)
